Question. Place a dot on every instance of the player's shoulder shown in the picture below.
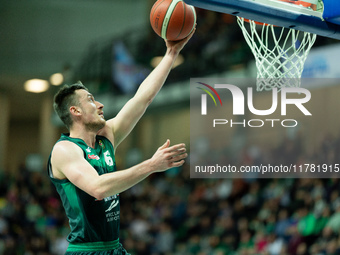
(66, 147)
(63, 154)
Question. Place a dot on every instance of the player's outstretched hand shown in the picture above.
(177, 46)
(167, 157)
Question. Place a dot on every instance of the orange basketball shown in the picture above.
(172, 19)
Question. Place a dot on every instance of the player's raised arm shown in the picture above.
(133, 110)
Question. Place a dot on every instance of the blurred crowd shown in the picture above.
(169, 213)
(174, 214)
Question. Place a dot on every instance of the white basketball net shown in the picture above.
(279, 52)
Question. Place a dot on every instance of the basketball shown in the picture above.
(172, 19)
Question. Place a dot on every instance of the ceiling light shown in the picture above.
(156, 60)
(36, 85)
(56, 79)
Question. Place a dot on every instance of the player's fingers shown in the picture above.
(165, 145)
(177, 164)
(172, 154)
(179, 157)
(176, 153)
(176, 147)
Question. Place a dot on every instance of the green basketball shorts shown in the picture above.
(96, 250)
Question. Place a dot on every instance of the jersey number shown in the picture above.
(108, 159)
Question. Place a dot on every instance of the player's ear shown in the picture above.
(75, 110)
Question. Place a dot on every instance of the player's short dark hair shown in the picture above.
(64, 99)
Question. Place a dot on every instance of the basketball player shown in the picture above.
(82, 163)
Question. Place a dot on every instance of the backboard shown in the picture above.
(280, 13)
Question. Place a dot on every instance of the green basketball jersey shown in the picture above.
(91, 220)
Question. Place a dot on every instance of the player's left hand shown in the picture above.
(177, 46)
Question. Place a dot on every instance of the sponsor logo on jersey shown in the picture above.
(93, 157)
(88, 149)
(111, 198)
(113, 205)
(101, 144)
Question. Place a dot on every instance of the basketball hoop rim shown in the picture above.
(279, 62)
(300, 5)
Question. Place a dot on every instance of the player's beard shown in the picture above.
(95, 126)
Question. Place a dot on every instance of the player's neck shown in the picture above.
(89, 137)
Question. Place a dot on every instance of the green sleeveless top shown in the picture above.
(90, 220)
